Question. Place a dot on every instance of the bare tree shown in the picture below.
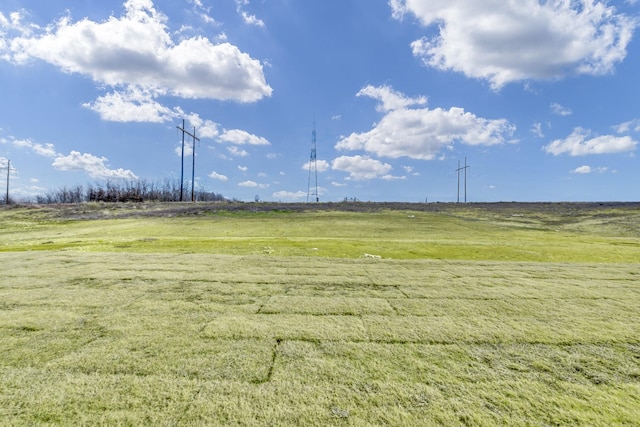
(140, 190)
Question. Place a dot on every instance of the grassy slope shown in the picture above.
(152, 321)
(476, 233)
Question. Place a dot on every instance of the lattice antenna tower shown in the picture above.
(312, 186)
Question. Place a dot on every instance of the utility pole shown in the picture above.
(6, 200)
(465, 179)
(193, 165)
(182, 163)
(464, 168)
(458, 172)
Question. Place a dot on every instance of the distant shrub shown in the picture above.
(128, 191)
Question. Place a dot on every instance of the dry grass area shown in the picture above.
(161, 332)
(112, 338)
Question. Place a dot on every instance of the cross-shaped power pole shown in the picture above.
(6, 200)
(464, 168)
(193, 164)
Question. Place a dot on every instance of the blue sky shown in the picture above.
(541, 97)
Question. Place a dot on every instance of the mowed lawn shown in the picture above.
(465, 317)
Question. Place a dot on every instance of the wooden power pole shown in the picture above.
(6, 200)
(193, 165)
(460, 169)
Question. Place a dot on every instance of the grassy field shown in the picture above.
(496, 232)
(425, 315)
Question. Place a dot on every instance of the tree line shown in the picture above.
(128, 191)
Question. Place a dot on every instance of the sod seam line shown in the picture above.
(274, 356)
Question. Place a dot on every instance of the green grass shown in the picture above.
(475, 233)
(105, 326)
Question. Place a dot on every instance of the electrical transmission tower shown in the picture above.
(460, 169)
(312, 186)
(193, 164)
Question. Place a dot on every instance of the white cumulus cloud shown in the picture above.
(46, 150)
(251, 19)
(393, 178)
(390, 99)
(218, 176)
(580, 143)
(131, 105)
(509, 41)
(588, 169)
(536, 129)
(421, 133)
(582, 169)
(204, 128)
(94, 166)
(560, 110)
(247, 17)
(237, 152)
(253, 184)
(136, 50)
(631, 125)
(237, 136)
(289, 195)
(361, 167)
(321, 165)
